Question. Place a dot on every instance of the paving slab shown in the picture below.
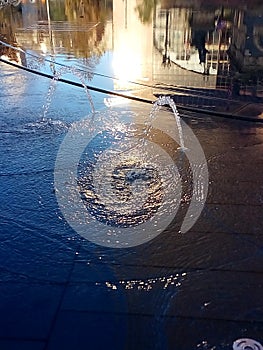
(198, 290)
(21, 345)
(28, 310)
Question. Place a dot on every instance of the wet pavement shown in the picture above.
(198, 290)
(201, 289)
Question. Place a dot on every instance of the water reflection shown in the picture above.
(71, 27)
(209, 45)
(148, 284)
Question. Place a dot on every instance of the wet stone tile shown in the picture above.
(32, 252)
(147, 296)
(27, 310)
(92, 272)
(226, 172)
(235, 192)
(116, 272)
(81, 330)
(97, 331)
(201, 334)
(21, 345)
(221, 295)
(201, 250)
(171, 333)
(230, 219)
(95, 297)
(171, 253)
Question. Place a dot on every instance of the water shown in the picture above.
(166, 100)
(52, 88)
(123, 177)
(38, 245)
(122, 63)
(201, 289)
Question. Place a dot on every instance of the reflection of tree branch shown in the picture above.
(145, 10)
(85, 43)
(8, 21)
(91, 10)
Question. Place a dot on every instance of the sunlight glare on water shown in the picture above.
(87, 170)
(124, 178)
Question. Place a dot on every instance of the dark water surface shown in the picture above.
(201, 289)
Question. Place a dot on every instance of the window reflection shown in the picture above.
(195, 44)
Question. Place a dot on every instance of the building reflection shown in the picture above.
(246, 47)
(168, 42)
(195, 42)
(210, 40)
(179, 39)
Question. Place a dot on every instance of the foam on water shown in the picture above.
(46, 125)
(126, 174)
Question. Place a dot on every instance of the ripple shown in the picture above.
(45, 125)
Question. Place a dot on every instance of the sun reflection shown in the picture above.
(115, 101)
(43, 47)
(146, 285)
(127, 66)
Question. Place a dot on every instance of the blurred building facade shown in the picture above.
(246, 48)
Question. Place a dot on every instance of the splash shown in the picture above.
(167, 100)
(52, 88)
(120, 182)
